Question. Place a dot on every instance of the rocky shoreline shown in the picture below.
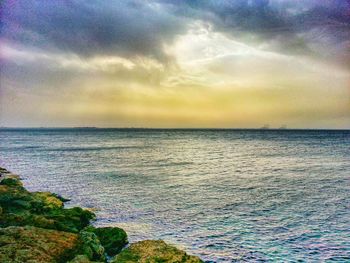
(36, 227)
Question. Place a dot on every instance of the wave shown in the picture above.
(20, 148)
(101, 148)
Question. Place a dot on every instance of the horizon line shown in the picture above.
(167, 128)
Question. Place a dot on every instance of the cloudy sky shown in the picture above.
(229, 64)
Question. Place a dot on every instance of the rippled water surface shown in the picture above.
(246, 196)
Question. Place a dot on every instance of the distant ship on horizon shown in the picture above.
(267, 127)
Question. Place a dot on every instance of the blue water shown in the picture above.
(226, 196)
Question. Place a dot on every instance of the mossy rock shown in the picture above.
(72, 219)
(59, 197)
(113, 239)
(49, 200)
(83, 259)
(90, 246)
(9, 181)
(13, 196)
(41, 209)
(33, 244)
(154, 251)
(3, 170)
(59, 220)
(80, 259)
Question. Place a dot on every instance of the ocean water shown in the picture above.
(224, 195)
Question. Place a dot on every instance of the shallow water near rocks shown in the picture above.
(224, 195)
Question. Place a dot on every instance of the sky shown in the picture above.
(175, 64)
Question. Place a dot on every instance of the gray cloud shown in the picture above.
(129, 28)
(140, 28)
(298, 27)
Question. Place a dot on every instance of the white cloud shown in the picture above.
(102, 63)
(213, 59)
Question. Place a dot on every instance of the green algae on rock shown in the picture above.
(83, 259)
(11, 181)
(91, 247)
(113, 239)
(33, 244)
(42, 209)
(154, 251)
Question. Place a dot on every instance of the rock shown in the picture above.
(113, 239)
(3, 171)
(91, 246)
(32, 244)
(49, 200)
(13, 197)
(153, 251)
(83, 259)
(41, 209)
(9, 181)
(60, 197)
(72, 219)
(4, 174)
(80, 259)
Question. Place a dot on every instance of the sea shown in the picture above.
(223, 195)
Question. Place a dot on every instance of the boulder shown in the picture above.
(83, 259)
(90, 246)
(32, 244)
(80, 259)
(11, 181)
(153, 251)
(113, 239)
(41, 209)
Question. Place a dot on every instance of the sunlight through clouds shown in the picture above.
(155, 64)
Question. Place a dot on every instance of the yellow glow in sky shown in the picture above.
(212, 80)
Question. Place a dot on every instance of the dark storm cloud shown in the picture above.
(292, 26)
(131, 28)
(240, 15)
(90, 27)
(267, 16)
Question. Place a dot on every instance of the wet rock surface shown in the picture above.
(153, 251)
(33, 244)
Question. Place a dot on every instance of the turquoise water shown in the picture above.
(226, 196)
